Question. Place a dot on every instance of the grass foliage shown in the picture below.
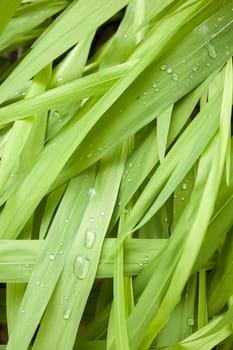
(116, 172)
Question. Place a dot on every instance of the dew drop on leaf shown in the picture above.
(51, 257)
(163, 67)
(91, 192)
(92, 219)
(59, 79)
(81, 267)
(89, 239)
(190, 321)
(67, 314)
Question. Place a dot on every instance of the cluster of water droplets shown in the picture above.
(169, 71)
(144, 262)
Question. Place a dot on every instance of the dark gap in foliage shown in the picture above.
(105, 32)
(3, 321)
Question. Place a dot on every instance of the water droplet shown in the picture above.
(99, 149)
(23, 93)
(163, 67)
(145, 93)
(56, 113)
(140, 264)
(208, 64)
(175, 76)
(102, 213)
(91, 192)
(119, 203)
(81, 267)
(67, 314)
(154, 85)
(51, 257)
(66, 220)
(61, 252)
(144, 103)
(59, 79)
(220, 18)
(190, 321)
(183, 61)
(227, 53)
(184, 186)
(146, 258)
(89, 155)
(125, 36)
(191, 76)
(91, 219)
(211, 50)
(61, 243)
(89, 239)
(37, 283)
(105, 146)
(169, 70)
(27, 265)
(195, 68)
(166, 219)
(129, 180)
(22, 311)
(182, 198)
(42, 285)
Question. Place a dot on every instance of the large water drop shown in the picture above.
(89, 239)
(81, 267)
